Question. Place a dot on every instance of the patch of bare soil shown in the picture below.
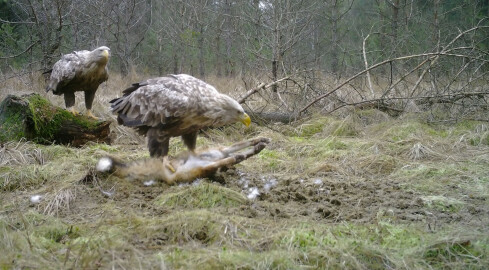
(335, 199)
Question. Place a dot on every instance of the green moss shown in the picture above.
(48, 119)
(12, 117)
(35, 118)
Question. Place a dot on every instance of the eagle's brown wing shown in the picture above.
(65, 70)
(164, 101)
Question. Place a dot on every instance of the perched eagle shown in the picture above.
(175, 105)
(79, 71)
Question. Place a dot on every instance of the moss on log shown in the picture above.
(35, 118)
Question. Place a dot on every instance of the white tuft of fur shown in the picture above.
(36, 199)
(253, 193)
(104, 164)
(149, 182)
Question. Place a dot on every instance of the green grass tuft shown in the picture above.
(203, 195)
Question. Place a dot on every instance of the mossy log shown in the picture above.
(34, 118)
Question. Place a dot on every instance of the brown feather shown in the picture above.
(79, 71)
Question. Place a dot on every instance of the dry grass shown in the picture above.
(360, 191)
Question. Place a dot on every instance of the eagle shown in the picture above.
(79, 71)
(172, 106)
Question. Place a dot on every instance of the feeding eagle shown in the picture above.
(175, 105)
(79, 71)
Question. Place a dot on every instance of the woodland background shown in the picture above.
(383, 162)
(391, 54)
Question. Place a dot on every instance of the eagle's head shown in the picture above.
(231, 112)
(102, 54)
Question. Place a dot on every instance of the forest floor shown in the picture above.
(364, 191)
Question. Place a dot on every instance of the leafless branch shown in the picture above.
(258, 88)
(19, 54)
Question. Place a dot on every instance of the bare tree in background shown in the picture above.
(127, 22)
(279, 26)
(334, 12)
(389, 52)
(48, 20)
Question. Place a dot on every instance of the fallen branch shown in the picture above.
(382, 104)
(431, 57)
(259, 87)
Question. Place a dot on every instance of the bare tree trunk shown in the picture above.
(436, 25)
(276, 47)
(229, 70)
(395, 22)
(200, 42)
(218, 58)
(334, 39)
(274, 74)
(159, 62)
(394, 34)
(49, 24)
(176, 70)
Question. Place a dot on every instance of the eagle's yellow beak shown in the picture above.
(106, 54)
(245, 119)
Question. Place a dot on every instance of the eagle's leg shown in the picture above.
(190, 140)
(70, 102)
(89, 96)
(158, 147)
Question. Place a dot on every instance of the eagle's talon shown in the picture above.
(168, 164)
(170, 167)
(73, 111)
(89, 114)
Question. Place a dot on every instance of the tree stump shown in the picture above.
(34, 118)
